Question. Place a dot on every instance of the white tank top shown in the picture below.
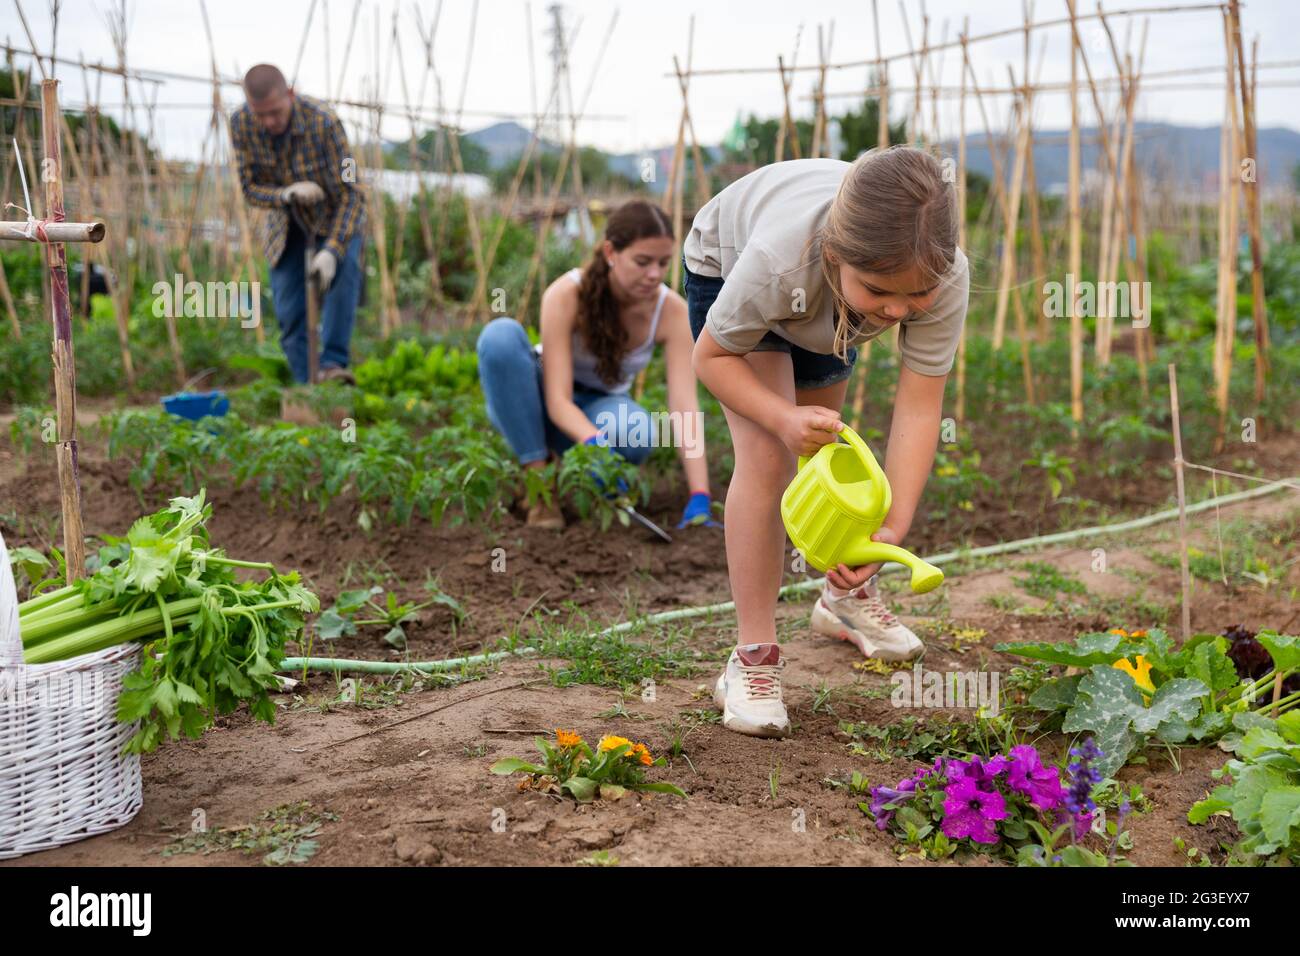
(637, 358)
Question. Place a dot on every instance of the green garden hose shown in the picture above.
(386, 667)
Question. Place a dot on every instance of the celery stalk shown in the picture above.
(109, 633)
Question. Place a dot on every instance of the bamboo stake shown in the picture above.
(819, 97)
(936, 71)
(561, 171)
(8, 297)
(961, 228)
(677, 185)
(471, 215)
(1135, 246)
(65, 366)
(997, 188)
(423, 199)
(1108, 150)
(1039, 263)
(116, 297)
(913, 130)
(247, 261)
(1182, 504)
(882, 78)
(1022, 330)
(1228, 228)
(1258, 315)
(787, 122)
(702, 190)
(1076, 237)
(5, 293)
(1009, 233)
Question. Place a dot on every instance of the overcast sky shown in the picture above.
(635, 105)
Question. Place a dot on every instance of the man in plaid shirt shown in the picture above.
(294, 161)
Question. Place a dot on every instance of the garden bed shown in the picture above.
(421, 792)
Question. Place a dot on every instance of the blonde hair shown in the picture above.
(895, 210)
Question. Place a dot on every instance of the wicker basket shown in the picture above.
(62, 773)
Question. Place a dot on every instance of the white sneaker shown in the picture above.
(748, 692)
(864, 620)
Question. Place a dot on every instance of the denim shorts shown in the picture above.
(811, 369)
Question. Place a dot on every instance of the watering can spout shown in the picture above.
(925, 576)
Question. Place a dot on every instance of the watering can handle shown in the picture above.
(874, 470)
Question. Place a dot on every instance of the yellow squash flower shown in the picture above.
(1139, 669)
(567, 738)
(1118, 630)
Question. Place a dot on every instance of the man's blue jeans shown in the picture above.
(511, 374)
(338, 308)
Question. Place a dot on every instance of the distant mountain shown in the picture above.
(505, 141)
(1183, 154)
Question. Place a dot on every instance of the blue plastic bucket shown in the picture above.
(196, 405)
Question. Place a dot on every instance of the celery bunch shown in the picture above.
(211, 640)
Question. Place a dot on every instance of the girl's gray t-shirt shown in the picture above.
(759, 234)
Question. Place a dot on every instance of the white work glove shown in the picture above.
(304, 193)
(322, 268)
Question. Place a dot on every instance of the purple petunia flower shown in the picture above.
(970, 811)
(1027, 775)
(883, 796)
(982, 774)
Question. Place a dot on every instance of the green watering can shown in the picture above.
(837, 501)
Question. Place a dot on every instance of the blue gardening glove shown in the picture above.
(600, 439)
(699, 511)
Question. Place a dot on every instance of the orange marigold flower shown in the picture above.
(1138, 634)
(640, 752)
(1118, 630)
(567, 738)
(609, 743)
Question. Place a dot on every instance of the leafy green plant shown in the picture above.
(596, 479)
(570, 766)
(27, 427)
(41, 573)
(392, 615)
(957, 480)
(1057, 469)
(1138, 689)
(412, 368)
(1263, 793)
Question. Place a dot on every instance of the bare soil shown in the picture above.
(419, 791)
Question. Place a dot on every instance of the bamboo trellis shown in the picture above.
(1119, 202)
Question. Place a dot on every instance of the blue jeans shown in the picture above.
(338, 309)
(511, 374)
(811, 369)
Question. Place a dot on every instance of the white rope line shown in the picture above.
(1285, 482)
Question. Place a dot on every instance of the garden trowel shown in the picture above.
(645, 522)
